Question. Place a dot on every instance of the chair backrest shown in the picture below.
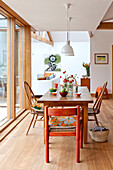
(97, 104)
(64, 111)
(29, 93)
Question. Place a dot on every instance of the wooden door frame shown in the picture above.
(25, 58)
(112, 70)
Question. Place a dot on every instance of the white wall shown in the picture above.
(72, 64)
(101, 42)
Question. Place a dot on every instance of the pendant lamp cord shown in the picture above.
(67, 24)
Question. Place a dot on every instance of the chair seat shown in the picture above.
(91, 112)
(37, 110)
(62, 128)
(62, 121)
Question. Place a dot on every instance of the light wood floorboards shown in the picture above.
(21, 152)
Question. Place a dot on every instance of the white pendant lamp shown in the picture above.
(67, 50)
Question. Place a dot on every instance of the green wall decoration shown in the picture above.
(53, 62)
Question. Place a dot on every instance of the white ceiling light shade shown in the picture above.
(67, 50)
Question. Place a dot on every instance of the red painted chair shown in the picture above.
(58, 128)
(98, 90)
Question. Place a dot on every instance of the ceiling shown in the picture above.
(50, 15)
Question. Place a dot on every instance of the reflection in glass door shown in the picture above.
(3, 69)
(17, 56)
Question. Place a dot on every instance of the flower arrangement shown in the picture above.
(87, 66)
(68, 81)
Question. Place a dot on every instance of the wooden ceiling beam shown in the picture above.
(37, 37)
(11, 12)
(108, 19)
(90, 34)
(49, 35)
(105, 26)
(44, 34)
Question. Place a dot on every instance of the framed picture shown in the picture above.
(101, 58)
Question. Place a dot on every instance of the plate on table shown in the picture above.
(54, 93)
(52, 90)
(78, 94)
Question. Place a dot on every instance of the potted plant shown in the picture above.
(87, 66)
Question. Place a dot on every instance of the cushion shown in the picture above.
(91, 111)
(38, 106)
(62, 121)
(50, 77)
(47, 74)
(40, 75)
(41, 78)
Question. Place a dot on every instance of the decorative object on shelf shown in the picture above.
(52, 62)
(87, 66)
(67, 50)
(69, 81)
(101, 58)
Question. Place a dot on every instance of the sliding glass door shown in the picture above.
(15, 64)
(3, 69)
(17, 61)
(11, 66)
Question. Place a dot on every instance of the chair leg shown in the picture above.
(81, 136)
(96, 120)
(106, 91)
(77, 146)
(47, 147)
(30, 124)
(35, 121)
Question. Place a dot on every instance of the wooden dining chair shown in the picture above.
(97, 105)
(33, 106)
(64, 122)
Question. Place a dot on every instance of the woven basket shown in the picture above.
(99, 136)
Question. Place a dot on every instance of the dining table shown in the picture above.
(71, 100)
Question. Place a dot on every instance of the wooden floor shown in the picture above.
(21, 152)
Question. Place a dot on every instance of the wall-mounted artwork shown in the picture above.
(53, 63)
(101, 58)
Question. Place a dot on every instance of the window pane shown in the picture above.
(3, 69)
(17, 34)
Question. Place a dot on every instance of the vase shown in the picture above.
(76, 88)
(70, 89)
